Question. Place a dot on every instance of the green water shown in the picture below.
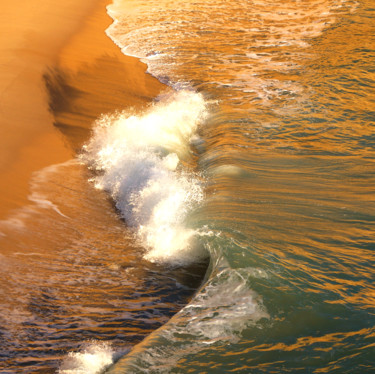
(288, 152)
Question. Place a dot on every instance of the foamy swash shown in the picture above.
(138, 158)
(93, 358)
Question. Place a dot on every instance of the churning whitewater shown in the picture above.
(138, 161)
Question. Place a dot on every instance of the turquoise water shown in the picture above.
(287, 151)
(229, 226)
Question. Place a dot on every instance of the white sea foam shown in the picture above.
(38, 198)
(224, 307)
(138, 160)
(93, 358)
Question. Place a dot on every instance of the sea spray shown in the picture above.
(137, 161)
(93, 358)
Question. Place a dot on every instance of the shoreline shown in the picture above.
(67, 51)
(28, 141)
(93, 77)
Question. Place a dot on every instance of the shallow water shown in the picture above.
(81, 281)
(261, 161)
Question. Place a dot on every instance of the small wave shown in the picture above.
(137, 158)
(224, 308)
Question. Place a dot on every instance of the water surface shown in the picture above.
(260, 161)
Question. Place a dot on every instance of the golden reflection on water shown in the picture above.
(82, 278)
(318, 224)
(289, 159)
(335, 339)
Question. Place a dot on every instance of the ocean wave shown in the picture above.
(137, 159)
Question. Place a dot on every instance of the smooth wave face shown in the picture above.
(289, 158)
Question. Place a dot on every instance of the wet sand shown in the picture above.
(59, 73)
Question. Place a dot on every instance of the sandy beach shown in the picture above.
(59, 73)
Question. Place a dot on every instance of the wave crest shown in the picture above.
(137, 158)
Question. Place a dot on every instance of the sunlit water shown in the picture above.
(262, 161)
